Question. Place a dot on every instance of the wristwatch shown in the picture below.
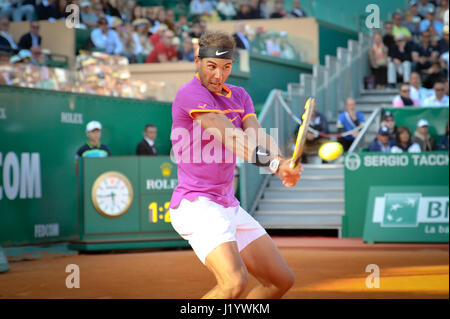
(274, 165)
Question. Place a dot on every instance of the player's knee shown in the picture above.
(236, 284)
(286, 281)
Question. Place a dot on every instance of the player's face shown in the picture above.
(213, 72)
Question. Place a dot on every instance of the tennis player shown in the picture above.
(203, 208)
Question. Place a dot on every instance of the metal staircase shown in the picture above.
(316, 202)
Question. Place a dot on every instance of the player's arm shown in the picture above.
(252, 128)
(244, 145)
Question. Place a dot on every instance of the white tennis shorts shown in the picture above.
(206, 225)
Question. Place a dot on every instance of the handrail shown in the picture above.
(366, 127)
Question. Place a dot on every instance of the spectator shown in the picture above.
(109, 9)
(106, 39)
(273, 45)
(93, 148)
(388, 38)
(147, 145)
(129, 45)
(226, 10)
(430, 24)
(5, 8)
(417, 92)
(170, 20)
(399, 29)
(243, 12)
(196, 31)
(47, 10)
(424, 7)
(443, 143)
(424, 53)
(182, 25)
(412, 19)
(255, 11)
(378, 55)
(239, 36)
(201, 8)
(278, 10)
(421, 136)
(139, 13)
(88, 16)
(37, 58)
(158, 35)
(389, 121)
(313, 142)
(439, 98)
(440, 11)
(187, 53)
(126, 11)
(382, 143)
(432, 75)
(164, 50)
(297, 11)
(140, 36)
(61, 6)
(31, 38)
(348, 121)
(7, 42)
(404, 98)
(442, 44)
(21, 9)
(401, 60)
(266, 9)
(403, 142)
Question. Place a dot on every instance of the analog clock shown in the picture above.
(112, 194)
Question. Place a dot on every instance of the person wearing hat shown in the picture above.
(403, 142)
(87, 15)
(93, 147)
(140, 36)
(382, 143)
(401, 55)
(421, 136)
(389, 121)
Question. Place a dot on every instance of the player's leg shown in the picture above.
(229, 269)
(264, 261)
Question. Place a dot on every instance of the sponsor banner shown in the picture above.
(407, 214)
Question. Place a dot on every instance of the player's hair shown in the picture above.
(217, 39)
(147, 126)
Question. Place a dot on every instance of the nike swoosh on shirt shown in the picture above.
(220, 53)
(202, 106)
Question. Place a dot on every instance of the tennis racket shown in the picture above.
(302, 131)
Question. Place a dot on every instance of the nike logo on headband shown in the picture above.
(220, 53)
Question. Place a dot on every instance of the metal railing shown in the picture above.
(362, 137)
(341, 77)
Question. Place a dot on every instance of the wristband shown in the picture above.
(261, 157)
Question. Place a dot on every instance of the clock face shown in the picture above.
(112, 194)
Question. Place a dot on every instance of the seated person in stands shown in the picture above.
(443, 143)
(7, 42)
(31, 38)
(438, 98)
(401, 55)
(399, 28)
(404, 98)
(164, 50)
(349, 120)
(47, 10)
(389, 121)
(432, 75)
(313, 142)
(106, 39)
(403, 142)
(416, 91)
(88, 16)
(382, 143)
(424, 53)
(421, 136)
(378, 56)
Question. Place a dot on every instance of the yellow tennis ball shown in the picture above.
(331, 151)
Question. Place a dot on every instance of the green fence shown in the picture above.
(40, 131)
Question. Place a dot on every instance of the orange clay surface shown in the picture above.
(324, 268)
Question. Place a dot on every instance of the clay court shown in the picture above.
(324, 268)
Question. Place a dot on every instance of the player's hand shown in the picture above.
(288, 175)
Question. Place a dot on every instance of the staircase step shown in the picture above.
(300, 204)
(303, 194)
(309, 182)
(336, 212)
(299, 222)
